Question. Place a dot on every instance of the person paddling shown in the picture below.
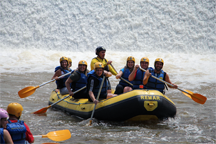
(5, 137)
(124, 73)
(69, 64)
(18, 129)
(63, 69)
(137, 74)
(77, 80)
(100, 52)
(152, 83)
(94, 81)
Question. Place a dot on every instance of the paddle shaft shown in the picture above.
(68, 96)
(54, 79)
(97, 97)
(122, 77)
(165, 82)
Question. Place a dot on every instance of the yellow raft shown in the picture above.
(136, 105)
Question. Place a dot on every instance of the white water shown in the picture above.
(35, 34)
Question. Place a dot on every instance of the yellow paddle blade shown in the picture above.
(60, 135)
(195, 96)
(43, 110)
(27, 91)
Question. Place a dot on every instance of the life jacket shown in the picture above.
(17, 131)
(139, 78)
(126, 73)
(61, 82)
(97, 83)
(154, 83)
(58, 67)
(2, 136)
(106, 67)
(81, 82)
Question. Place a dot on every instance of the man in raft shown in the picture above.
(137, 74)
(77, 80)
(5, 137)
(124, 73)
(152, 83)
(18, 129)
(100, 52)
(63, 69)
(95, 78)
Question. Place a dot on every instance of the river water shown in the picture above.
(35, 34)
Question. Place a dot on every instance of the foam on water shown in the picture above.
(35, 34)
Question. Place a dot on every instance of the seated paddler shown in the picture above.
(124, 84)
(63, 69)
(152, 83)
(94, 82)
(137, 75)
(78, 80)
(5, 137)
(100, 52)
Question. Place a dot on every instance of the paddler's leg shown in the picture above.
(127, 89)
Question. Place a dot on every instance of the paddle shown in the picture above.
(43, 110)
(122, 77)
(90, 122)
(194, 96)
(60, 135)
(27, 91)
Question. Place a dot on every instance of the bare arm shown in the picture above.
(168, 80)
(107, 74)
(91, 94)
(57, 74)
(67, 84)
(131, 76)
(7, 137)
(146, 77)
(119, 75)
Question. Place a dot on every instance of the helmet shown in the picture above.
(69, 60)
(63, 58)
(159, 60)
(15, 109)
(3, 113)
(83, 62)
(144, 59)
(98, 65)
(131, 58)
(98, 49)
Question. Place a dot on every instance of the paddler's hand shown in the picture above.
(95, 101)
(71, 93)
(109, 62)
(56, 78)
(174, 86)
(136, 67)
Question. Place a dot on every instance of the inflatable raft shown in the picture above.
(136, 105)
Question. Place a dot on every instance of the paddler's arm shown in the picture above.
(146, 77)
(107, 74)
(91, 94)
(67, 84)
(94, 60)
(111, 69)
(132, 75)
(119, 74)
(57, 74)
(168, 80)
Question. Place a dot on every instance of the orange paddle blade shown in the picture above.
(43, 110)
(60, 135)
(195, 96)
(27, 91)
